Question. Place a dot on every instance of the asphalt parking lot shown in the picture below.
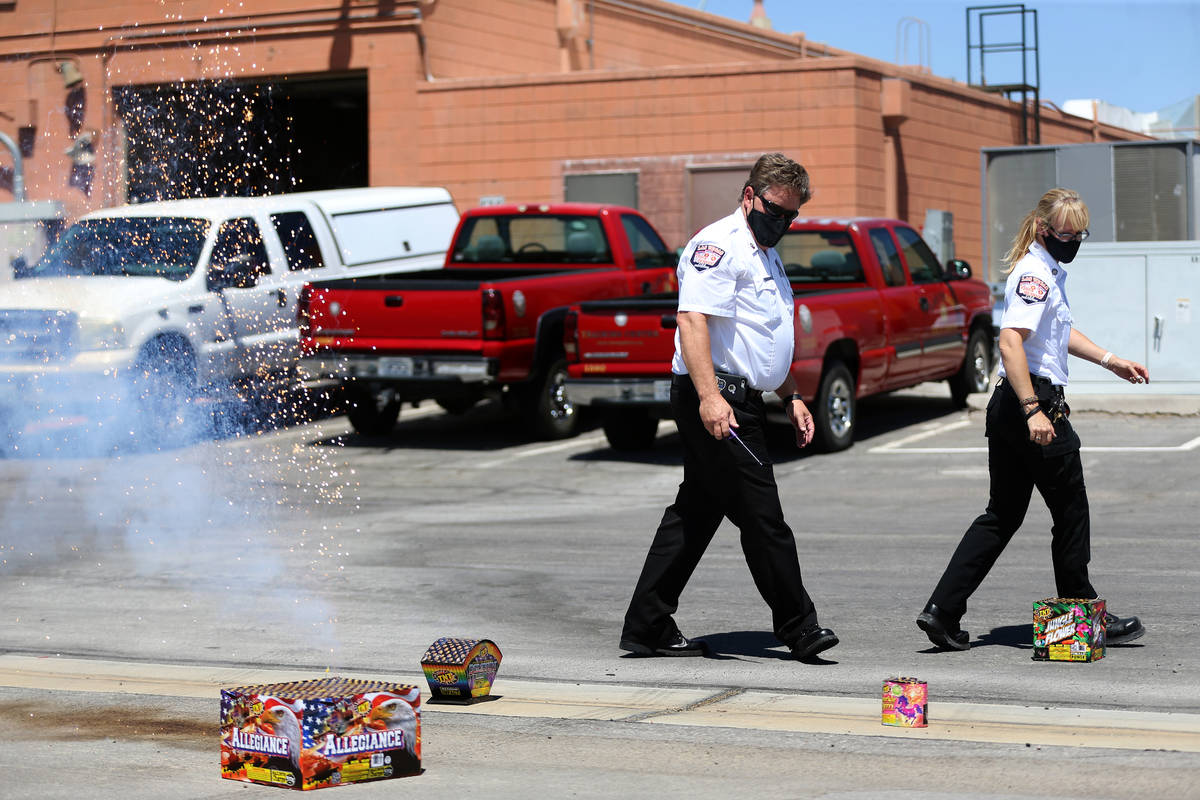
(136, 585)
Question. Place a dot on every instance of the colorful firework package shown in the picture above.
(461, 670)
(1068, 630)
(905, 702)
(314, 734)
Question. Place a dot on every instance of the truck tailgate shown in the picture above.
(633, 336)
(388, 311)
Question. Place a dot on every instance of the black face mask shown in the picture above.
(767, 229)
(1062, 252)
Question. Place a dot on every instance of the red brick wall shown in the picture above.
(671, 88)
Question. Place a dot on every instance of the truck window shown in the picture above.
(241, 240)
(923, 266)
(299, 240)
(648, 250)
(161, 247)
(532, 239)
(819, 257)
(888, 256)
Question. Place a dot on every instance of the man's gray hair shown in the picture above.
(776, 169)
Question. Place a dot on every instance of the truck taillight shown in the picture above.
(571, 337)
(493, 314)
(303, 305)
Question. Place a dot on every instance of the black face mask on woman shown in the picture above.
(767, 229)
(1062, 252)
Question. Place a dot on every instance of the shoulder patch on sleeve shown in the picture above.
(1032, 289)
(706, 255)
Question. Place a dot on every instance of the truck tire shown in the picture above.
(976, 370)
(834, 410)
(372, 412)
(630, 429)
(548, 411)
(163, 394)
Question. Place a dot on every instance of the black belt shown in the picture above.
(686, 380)
(1038, 382)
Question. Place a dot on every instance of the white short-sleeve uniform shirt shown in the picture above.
(1035, 298)
(748, 299)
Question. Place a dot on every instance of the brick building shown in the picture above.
(644, 100)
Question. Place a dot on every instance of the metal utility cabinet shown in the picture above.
(1138, 299)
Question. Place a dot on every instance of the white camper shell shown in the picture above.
(186, 297)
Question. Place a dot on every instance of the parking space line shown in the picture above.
(537, 450)
(897, 446)
(916, 437)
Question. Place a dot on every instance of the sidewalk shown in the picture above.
(1132, 402)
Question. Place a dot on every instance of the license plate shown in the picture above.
(662, 391)
(394, 367)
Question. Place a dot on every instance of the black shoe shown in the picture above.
(812, 641)
(1122, 629)
(941, 630)
(674, 644)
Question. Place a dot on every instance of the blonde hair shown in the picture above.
(1057, 208)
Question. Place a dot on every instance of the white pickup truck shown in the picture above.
(138, 310)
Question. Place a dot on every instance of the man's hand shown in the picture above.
(716, 415)
(801, 420)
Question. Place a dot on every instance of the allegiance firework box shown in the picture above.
(461, 670)
(905, 702)
(314, 734)
(1068, 630)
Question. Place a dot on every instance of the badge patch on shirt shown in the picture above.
(1032, 289)
(706, 255)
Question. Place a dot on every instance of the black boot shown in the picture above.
(1122, 629)
(942, 630)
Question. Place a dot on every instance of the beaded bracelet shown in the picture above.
(1029, 401)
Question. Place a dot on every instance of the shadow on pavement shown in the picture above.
(1017, 636)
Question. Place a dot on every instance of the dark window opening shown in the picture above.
(238, 138)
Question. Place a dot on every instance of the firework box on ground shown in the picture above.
(1066, 629)
(319, 733)
(905, 702)
(461, 670)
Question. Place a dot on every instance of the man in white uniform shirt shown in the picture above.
(734, 341)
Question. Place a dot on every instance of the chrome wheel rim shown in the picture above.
(840, 408)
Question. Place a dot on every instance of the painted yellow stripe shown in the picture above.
(730, 708)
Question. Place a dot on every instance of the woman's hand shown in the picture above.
(1041, 430)
(1129, 370)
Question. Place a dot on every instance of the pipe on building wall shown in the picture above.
(18, 183)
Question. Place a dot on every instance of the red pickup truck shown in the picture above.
(488, 323)
(875, 311)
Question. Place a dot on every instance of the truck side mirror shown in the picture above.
(237, 272)
(957, 269)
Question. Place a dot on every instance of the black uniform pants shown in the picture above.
(720, 479)
(1016, 466)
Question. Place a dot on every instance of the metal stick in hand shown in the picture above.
(737, 438)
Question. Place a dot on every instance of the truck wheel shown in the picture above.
(547, 409)
(163, 391)
(976, 370)
(372, 412)
(630, 429)
(833, 415)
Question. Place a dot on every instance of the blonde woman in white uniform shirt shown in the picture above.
(1031, 442)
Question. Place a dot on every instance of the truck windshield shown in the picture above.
(532, 239)
(162, 247)
(820, 257)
